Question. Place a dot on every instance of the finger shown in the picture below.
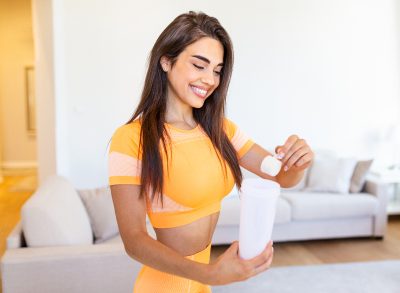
(278, 149)
(299, 153)
(299, 143)
(307, 158)
(262, 257)
(279, 153)
(234, 248)
(232, 251)
(288, 144)
(264, 266)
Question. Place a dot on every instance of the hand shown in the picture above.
(230, 267)
(297, 155)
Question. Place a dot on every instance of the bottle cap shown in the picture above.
(271, 165)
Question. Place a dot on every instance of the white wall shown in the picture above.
(325, 70)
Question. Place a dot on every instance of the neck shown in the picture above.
(178, 112)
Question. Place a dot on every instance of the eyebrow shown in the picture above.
(205, 59)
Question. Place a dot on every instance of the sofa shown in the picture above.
(68, 241)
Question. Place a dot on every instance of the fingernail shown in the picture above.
(285, 168)
(280, 156)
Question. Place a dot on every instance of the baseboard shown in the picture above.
(19, 168)
(19, 165)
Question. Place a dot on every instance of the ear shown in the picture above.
(165, 63)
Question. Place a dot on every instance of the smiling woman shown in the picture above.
(178, 157)
(202, 73)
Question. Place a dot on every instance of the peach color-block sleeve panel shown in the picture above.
(240, 141)
(124, 160)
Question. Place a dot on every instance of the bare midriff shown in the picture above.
(191, 238)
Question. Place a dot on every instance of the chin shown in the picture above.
(198, 103)
(198, 106)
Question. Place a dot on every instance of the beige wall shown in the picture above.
(1, 170)
(44, 44)
(17, 147)
(1, 148)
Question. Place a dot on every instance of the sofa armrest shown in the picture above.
(379, 189)
(75, 268)
(16, 238)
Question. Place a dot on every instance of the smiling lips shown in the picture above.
(198, 91)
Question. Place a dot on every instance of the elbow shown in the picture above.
(134, 243)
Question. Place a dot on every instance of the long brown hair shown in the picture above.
(182, 31)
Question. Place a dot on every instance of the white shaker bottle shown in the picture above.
(258, 200)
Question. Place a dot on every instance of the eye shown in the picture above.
(217, 72)
(198, 67)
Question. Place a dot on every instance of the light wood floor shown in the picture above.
(335, 251)
(15, 190)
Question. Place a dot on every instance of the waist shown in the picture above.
(202, 256)
(181, 217)
(191, 238)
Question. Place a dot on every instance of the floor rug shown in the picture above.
(360, 277)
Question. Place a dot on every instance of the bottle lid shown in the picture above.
(271, 166)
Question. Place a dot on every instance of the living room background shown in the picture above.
(328, 71)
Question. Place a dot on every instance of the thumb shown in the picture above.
(278, 149)
(234, 248)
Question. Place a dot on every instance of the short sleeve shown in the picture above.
(240, 141)
(124, 160)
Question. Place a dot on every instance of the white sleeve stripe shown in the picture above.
(123, 165)
(239, 139)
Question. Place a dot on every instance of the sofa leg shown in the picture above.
(378, 237)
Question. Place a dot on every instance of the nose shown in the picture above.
(208, 78)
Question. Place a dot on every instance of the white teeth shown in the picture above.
(199, 91)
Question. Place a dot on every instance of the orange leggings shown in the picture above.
(150, 280)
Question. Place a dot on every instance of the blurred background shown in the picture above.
(72, 71)
(328, 71)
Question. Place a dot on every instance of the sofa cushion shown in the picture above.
(359, 175)
(112, 240)
(55, 215)
(230, 211)
(317, 205)
(117, 238)
(100, 208)
(331, 175)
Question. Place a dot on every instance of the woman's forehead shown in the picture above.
(207, 47)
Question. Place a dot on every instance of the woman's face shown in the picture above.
(196, 72)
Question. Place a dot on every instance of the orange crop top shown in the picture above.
(195, 183)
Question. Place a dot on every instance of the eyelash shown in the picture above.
(201, 67)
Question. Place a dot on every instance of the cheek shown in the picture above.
(217, 82)
(180, 77)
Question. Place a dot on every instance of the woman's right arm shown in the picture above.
(130, 212)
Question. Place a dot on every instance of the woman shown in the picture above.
(178, 156)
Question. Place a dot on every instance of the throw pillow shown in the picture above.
(318, 154)
(331, 175)
(54, 215)
(100, 208)
(359, 175)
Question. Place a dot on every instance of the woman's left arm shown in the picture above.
(296, 157)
